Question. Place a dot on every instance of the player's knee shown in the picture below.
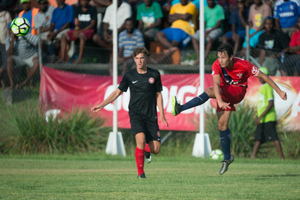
(210, 92)
(222, 126)
(156, 150)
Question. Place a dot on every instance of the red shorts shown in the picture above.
(231, 94)
(87, 33)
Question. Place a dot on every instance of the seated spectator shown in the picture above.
(43, 18)
(272, 42)
(5, 19)
(22, 51)
(291, 65)
(104, 38)
(129, 40)
(85, 24)
(257, 13)
(29, 14)
(149, 15)
(213, 17)
(286, 14)
(182, 16)
(238, 21)
(61, 22)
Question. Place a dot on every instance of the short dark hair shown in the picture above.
(140, 50)
(129, 19)
(225, 47)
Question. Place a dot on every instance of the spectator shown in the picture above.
(100, 3)
(43, 18)
(149, 15)
(286, 14)
(22, 51)
(213, 17)
(182, 16)
(85, 24)
(266, 118)
(104, 38)
(238, 21)
(291, 66)
(29, 14)
(129, 40)
(272, 42)
(5, 19)
(258, 12)
(61, 22)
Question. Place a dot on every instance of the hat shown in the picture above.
(24, 1)
(264, 70)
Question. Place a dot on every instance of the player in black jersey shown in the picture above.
(145, 94)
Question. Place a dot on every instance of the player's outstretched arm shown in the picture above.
(221, 103)
(108, 100)
(160, 104)
(268, 80)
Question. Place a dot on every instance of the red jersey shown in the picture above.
(238, 75)
(295, 40)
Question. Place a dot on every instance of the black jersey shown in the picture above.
(143, 89)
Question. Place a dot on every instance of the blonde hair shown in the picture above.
(140, 50)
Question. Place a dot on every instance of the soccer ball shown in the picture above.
(216, 154)
(20, 26)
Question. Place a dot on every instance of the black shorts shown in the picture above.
(266, 132)
(143, 124)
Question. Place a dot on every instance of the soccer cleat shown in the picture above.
(175, 106)
(148, 157)
(225, 165)
(141, 176)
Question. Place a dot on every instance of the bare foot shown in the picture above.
(78, 61)
(170, 50)
(59, 61)
(196, 62)
(20, 86)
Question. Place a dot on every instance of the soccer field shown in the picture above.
(107, 177)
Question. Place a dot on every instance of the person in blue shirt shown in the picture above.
(286, 14)
(238, 21)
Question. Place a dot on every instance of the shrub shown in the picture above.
(31, 133)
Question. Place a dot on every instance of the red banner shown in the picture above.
(62, 91)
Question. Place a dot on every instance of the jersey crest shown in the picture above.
(151, 80)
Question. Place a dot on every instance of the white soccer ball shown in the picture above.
(20, 26)
(216, 154)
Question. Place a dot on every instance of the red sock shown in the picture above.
(147, 148)
(139, 158)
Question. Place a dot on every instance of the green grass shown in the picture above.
(98, 176)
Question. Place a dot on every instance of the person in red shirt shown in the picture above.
(230, 77)
(291, 66)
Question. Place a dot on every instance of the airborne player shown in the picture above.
(230, 77)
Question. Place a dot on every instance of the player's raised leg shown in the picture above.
(148, 156)
(199, 100)
(223, 117)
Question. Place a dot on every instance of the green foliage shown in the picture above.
(31, 133)
(242, 128)
(290, 142)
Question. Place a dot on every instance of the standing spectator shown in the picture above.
(104, 38)
(266, 121)
(100, 3)
(286, 14)
(182, 16)
(258, 12)
(291, 65)
(149, 15)
(129, 39)
(145, 96)
(61, 22)
(85, 24)
(5, 19)
(213, 17)
(43, 18)
(238, 21)
(22, 51)
(29, 14)
(272, 43)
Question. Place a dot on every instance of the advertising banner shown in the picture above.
(61, 91)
